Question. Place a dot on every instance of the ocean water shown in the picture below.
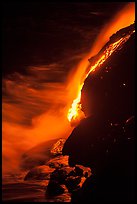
(30, 191)
(14, 188)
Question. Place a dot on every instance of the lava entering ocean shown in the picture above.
(75, 113)
(26, 97)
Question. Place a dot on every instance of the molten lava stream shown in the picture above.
(75, 114)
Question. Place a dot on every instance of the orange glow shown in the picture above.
(50, 107)
(120, 21)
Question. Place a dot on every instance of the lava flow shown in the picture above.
(40, 105)
(75, 113)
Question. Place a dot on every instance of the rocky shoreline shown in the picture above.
(58, 179)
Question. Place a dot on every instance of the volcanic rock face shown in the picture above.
(59, 179)
(109, 91)
(72, 178)
(105, 140)
(54, 188)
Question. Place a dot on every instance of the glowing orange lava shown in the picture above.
(75, 110)
(123, 18)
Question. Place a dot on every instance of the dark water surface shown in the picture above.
(38, 33)
(23, 192)
(15, 189)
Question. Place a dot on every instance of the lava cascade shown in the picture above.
(75, 114)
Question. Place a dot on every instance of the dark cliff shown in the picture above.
(104, 141)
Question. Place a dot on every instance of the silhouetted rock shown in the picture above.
(72, 183)
(86, 193)
(54, 188)
(79, 171)
(72, 173)
(104, 141)
(72, 177)
(59, 175)
(39, 173)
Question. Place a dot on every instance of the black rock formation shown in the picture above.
(72, 178)
(72, 183)
(105, 140)
(54, 188)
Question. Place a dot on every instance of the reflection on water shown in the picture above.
(14, 188)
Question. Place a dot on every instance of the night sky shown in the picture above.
(37, 34)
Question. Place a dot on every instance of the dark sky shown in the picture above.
(36, 34)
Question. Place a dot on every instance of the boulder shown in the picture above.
(54, 188)
(72, 183)
(79, 171)
(83, 171)
(60, 174)
(72, 173)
